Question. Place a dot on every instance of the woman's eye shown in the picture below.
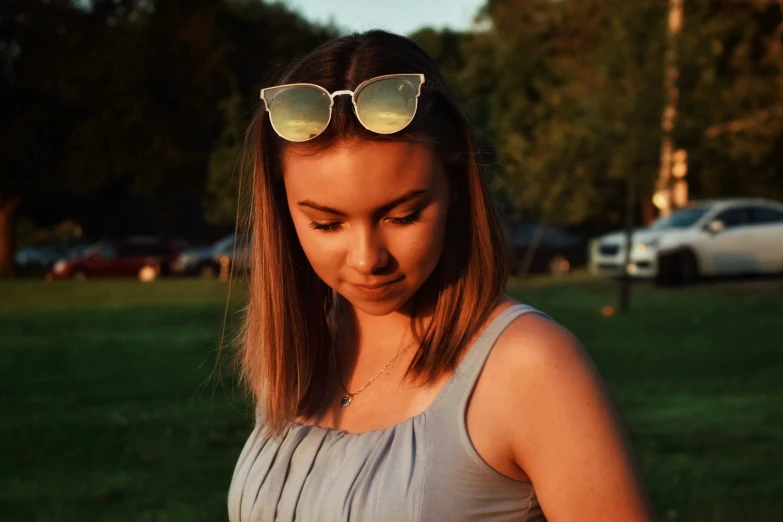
(325, 227)
(334, 227)
(407, 220)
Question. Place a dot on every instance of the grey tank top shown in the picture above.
(423, 469)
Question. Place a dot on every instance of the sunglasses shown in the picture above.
(384, 105)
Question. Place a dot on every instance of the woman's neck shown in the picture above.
(366, 341)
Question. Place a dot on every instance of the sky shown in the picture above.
(398, 16)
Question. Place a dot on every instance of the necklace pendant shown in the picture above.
(346, 401)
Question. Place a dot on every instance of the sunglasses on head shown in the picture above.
(384, 105)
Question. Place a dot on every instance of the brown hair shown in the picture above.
(286, 341)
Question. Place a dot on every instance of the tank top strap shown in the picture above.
(467, 373)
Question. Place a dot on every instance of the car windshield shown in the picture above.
(684, 218)
(91, 249)
(224, 245)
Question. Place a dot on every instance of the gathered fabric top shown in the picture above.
(422, 469)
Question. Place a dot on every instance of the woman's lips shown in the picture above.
(376, 290)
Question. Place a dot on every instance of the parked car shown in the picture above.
(710, 238)
(197, 261)
(38, 259)
(206, 262)
(556, 251)
(120, 258)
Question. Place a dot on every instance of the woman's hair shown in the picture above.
(285, 344)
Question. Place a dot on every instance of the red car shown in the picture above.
(132, 257)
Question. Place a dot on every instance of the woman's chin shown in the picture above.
(376, 307)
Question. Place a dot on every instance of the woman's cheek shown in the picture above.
(317, 246)
(421, 247)
(322, 252)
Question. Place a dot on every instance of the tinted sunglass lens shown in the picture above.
(299, 112)
(388, 105)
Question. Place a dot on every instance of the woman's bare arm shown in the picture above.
(563, 430)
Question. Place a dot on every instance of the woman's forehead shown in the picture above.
(361, 173)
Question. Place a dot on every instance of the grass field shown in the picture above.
(111, 412)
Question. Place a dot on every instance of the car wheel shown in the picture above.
(559, 265)
(164, 270)
(207, 272)
(665, 275)
(79, 275)
(688, 267)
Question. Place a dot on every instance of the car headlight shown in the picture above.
(59, 266)
(644, 246)
(185, 260)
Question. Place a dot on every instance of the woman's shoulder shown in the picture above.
(536, 361)
(555, 419)
(531, 362)
(532, 340)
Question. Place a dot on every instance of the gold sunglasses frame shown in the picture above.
(267, 95)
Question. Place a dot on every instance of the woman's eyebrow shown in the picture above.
(388, 206)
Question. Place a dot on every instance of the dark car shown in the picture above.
(536, 248)
(207, 262)
(131, 257)
(39, 259)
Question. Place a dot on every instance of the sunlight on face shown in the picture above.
(370, 216)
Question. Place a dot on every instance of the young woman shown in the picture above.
(394, 380)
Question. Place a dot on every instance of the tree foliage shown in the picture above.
(732, 97)
(574, 97)
(127, 115)
(571, 94)
(112, 108)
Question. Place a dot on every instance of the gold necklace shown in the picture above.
(348, 397)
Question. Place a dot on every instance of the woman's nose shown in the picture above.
(367, 252)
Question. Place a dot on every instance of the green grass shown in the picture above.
(698, 376)
(110, 410)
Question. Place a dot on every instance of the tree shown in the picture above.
(225, 171)
(575, 104)
(732, 97)
(118, 104)
(255, 22)
(34, 114)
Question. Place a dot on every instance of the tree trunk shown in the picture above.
(625, 282)
(631, 180)
(8, 208)
(648, 209)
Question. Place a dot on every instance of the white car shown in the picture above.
(710, 238)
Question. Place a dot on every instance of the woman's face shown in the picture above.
(370, 216)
